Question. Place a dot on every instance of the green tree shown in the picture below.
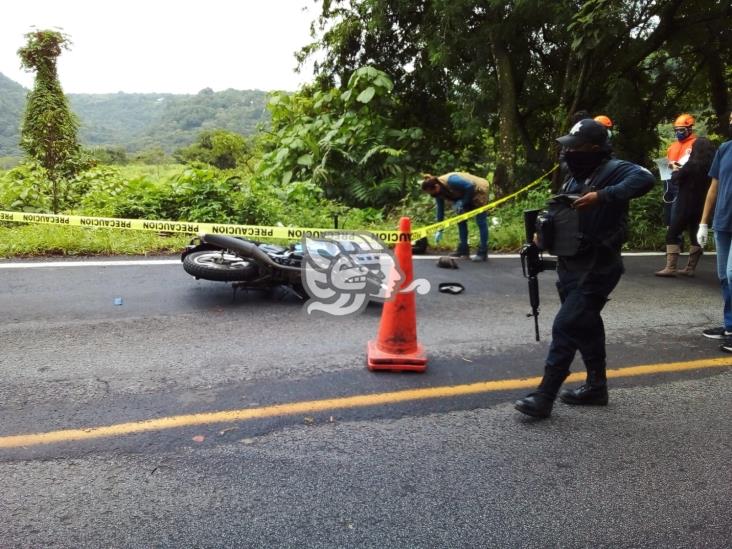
(220, 148)
(348, 143)
(108, 155)
(154, 156)
(49, 130)
(494, 82)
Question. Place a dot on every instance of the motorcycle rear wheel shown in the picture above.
(219, 265)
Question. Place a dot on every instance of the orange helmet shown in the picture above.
(684, 121)
(604, 120)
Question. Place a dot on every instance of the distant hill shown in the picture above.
(12, 103)
(138, 121)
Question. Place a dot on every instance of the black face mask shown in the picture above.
(729, 130)
(582, 163)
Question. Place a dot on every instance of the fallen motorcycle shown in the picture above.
(246, 263)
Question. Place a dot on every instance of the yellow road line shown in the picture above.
(313, 406)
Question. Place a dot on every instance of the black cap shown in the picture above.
(585, 132)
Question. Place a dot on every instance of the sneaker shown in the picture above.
(716, 333)
(480, 255)
(726, 347)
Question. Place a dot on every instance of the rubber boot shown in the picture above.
(695, 253)
(480, 255)
(539, 403)
(592, 393)
(463, 251)
(672, 259)
(420, 246)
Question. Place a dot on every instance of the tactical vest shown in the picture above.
(563, 231)
(558, 227)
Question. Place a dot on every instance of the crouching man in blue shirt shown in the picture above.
(592, 269)
(466, 192)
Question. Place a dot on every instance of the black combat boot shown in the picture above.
(540, 402)
(592, 393)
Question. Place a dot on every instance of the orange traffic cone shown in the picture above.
(395, 347)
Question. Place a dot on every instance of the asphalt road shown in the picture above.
(650, 470)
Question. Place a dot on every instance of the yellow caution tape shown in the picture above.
(251, 231)
(424, 231)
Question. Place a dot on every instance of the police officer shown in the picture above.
(587, 277)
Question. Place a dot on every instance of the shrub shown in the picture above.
(25, 188)
(219, 148)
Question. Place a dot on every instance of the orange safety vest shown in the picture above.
(679, 151)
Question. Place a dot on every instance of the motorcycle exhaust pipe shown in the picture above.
(245, 249)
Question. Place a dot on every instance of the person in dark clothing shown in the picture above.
(692, 181)
(677, 155)
(589, 275)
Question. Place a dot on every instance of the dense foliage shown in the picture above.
(202, 193)
(347, 143)
(190, 193)
(218, 148)
(520, 68)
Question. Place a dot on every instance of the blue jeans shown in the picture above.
(578, 325)
(723, 242)
(481, 220)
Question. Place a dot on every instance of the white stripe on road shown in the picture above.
(148, 262)
(39, 264)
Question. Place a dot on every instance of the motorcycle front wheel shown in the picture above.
(219, 265)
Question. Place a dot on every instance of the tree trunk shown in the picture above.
(561, 122)
(503, 178)
(579, 88)
(54, 195)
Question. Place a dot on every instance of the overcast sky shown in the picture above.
(177, 46)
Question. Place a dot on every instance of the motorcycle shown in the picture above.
(248, 264)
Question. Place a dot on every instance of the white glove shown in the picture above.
(438, 236)
(701, 234)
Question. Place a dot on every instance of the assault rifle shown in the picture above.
(532, 263)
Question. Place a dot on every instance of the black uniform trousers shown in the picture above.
(578, 324)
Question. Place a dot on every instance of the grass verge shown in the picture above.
(45, 240)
